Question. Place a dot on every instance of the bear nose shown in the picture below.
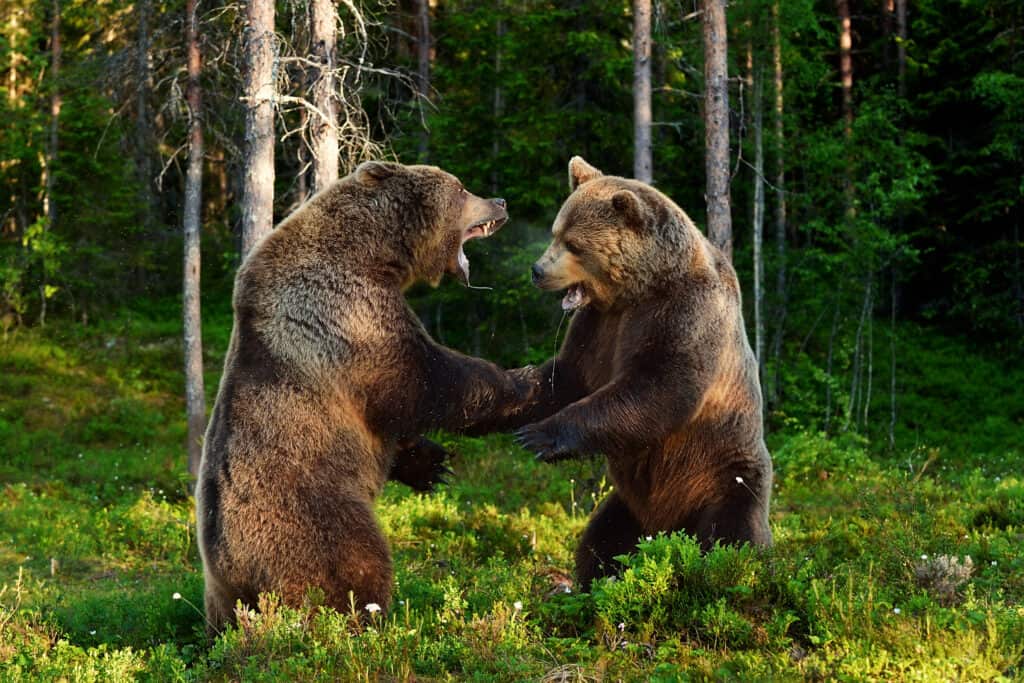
(499, 201)
(537, 272)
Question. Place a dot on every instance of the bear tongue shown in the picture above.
(574, 298)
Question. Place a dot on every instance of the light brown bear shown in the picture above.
(656, 373)
(328, 382)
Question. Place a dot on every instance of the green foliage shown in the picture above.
(100, 578)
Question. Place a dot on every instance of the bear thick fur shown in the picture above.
(328, 382)
(656, 373)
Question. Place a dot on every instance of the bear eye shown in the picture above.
(573, 248)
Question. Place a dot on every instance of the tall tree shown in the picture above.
(324, 128)
(423, 50)
(258, 180)
(846, 79)
(642, 164)
(498, 104)
(195, 398)
(716, 125)
(778, 112)
(53, 143)
(144, 139)
(758, 223)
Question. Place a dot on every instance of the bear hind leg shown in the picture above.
(734, 522)
(352, 568)
(613, 530)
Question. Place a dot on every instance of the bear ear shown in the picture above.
(580, 172)
(372, 171)
(629, 207)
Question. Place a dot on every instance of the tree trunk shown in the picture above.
(258, 180)
(324, 129)
(780, 205)
(716, 125)
(892, 357)
(758, 224)
(144, 140)
(195, 397)
(828, 368)
(846, 78)
(52, 147)
(498, 104)
(642, 164)
(423, 48)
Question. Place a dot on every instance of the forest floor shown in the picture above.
(869, 578)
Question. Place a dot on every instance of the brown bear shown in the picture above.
(656, 373)
(328, 382)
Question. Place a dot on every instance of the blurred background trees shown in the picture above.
(872, 154)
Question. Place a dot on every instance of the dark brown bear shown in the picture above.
(655, 373)
(329, 380)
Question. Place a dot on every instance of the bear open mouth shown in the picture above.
(475, 231)
(575, 297)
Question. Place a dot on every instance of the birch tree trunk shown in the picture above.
(195, 397)
(716, 125)
(52, 147)
(758, 223)
(423, 47)
(642, 163)
(324, 128)
(258, 180)
(780, 204)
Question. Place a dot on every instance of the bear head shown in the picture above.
(612, 240)
(433, 216)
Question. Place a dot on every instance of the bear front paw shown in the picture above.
(550, 443)
(423, 466)
(527, 381)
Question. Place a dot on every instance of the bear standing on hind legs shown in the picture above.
(328, 382)
(656, 373)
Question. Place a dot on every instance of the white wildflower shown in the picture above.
(622, 626)
(518, 605)
(372, 607)
(739, 480)
(176, 596)
(895, 610)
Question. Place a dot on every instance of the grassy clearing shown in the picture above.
(96, 540)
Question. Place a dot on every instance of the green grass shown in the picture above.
(96, 539)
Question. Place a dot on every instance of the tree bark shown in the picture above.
(423, 49)
(846, 78)
(758, 224)
(716, 125)
(780, 204)
(498, 104)
(52, 148)
(642, 163)
(195, 397)
(144, 140)
(324, 131)
(258, 180)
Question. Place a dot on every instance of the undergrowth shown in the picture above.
(868, 580)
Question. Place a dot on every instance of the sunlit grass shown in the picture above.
(96, 540)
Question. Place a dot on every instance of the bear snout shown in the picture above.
(537, 273)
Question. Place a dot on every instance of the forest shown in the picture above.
(862, 162)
